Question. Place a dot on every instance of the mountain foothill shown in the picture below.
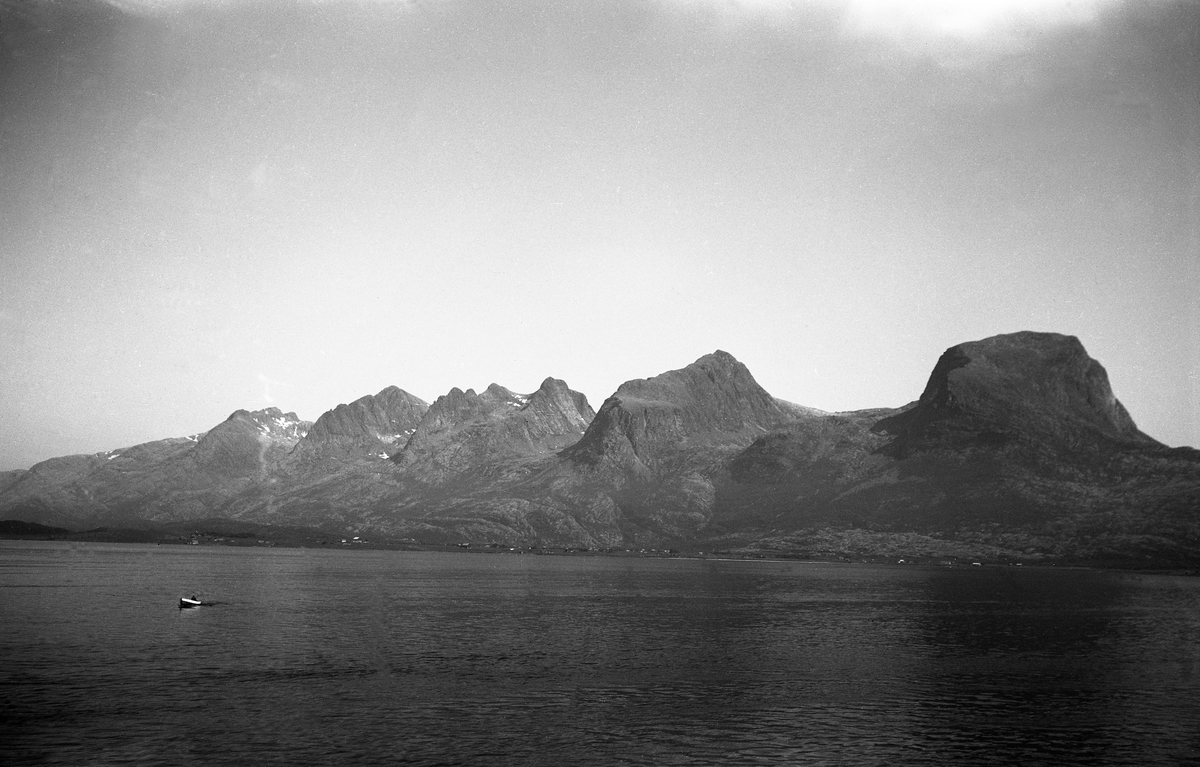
(1017, 450)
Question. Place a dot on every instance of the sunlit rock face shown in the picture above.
(712, 403)
(372, 426)
(339, 470)
(178, 478)
(644, 471)
(247, 444)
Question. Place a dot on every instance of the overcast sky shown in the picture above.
(207, 206)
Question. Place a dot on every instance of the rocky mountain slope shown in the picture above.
(1017, 446)
(656, 447)
(464, 431)
(1016, 450)
(463, 444)
(177, 478)
(375, 425)
(641, 473)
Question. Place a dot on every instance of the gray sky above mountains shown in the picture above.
(207, 206)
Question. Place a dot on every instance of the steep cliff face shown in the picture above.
(374, 426)
(1020, 386)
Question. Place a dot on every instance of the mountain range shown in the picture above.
(1017, 450)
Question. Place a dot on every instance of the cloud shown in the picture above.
(914, 24)
(939, 26)
(973, 20)
(267, 382)
(944, 29)
(160, 7)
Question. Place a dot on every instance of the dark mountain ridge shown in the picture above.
(1016, 449)
(1017, 444)
(1042, 385)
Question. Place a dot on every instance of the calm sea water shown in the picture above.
(384, 657)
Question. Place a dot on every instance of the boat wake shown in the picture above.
(189, 603)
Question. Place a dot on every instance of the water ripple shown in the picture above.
(371, 658)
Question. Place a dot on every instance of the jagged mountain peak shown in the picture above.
(496, 390)
(464, 428)
(718, 358)
(270, 421)
(555, 392)
(457, 404)
(717, 370)
(247, 442)
(371, 425)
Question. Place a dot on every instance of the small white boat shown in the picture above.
(186, 602)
